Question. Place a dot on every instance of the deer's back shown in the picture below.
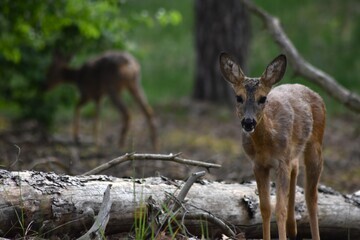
(295, 101)
(298, 116)
(107, 72)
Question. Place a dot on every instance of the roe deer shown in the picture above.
(280, 126)
(107, 74)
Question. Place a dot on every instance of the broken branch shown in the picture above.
(98, 228)
(161, 157)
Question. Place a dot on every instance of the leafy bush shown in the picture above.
(31, 30)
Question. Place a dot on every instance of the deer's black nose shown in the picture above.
(248, 124)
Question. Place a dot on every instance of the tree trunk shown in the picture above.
(220, 26)
(48, 204)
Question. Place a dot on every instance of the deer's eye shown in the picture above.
(262, 100)
(239, 99)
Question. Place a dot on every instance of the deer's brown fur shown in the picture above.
(105, 75)
(280, 127)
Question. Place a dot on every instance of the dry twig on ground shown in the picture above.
(162, 157)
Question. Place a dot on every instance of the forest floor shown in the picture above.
(199, 131)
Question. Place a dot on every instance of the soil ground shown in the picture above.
(199, 131)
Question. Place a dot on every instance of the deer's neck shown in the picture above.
(70, 75)
(263, 130)
(260, 139)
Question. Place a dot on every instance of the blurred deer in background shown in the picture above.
(107, 74)
(280, 126)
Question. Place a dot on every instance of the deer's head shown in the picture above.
(251, 93)
(54, 74)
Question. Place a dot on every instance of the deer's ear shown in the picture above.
(230, 69)
(274, 71)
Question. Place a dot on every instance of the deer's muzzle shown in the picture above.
(248, 125)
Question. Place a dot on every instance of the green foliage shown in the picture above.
(325, 32)
(70, 25)
(166, 53)
(173, 17)
(31, 30)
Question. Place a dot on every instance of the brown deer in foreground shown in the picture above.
(107, 74)
(280, 126)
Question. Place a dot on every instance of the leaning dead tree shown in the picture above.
(46, 204)
(300, 65)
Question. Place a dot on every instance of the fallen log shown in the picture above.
(46, 204)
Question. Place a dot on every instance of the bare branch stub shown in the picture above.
(98, 228)
(185, 189)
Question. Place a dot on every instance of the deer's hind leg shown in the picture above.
(291, 227)
(139, 96)
(116, 100)
(313, 163)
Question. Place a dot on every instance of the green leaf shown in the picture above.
(168, 17)
(89, 30)
(12, 54)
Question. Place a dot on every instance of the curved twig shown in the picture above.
(212, 219)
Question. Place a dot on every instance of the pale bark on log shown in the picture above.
(52, 204)
(300, 65)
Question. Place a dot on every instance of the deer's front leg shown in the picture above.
(96, 122)
(77, 120)
(263, 184)
(282, 196)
